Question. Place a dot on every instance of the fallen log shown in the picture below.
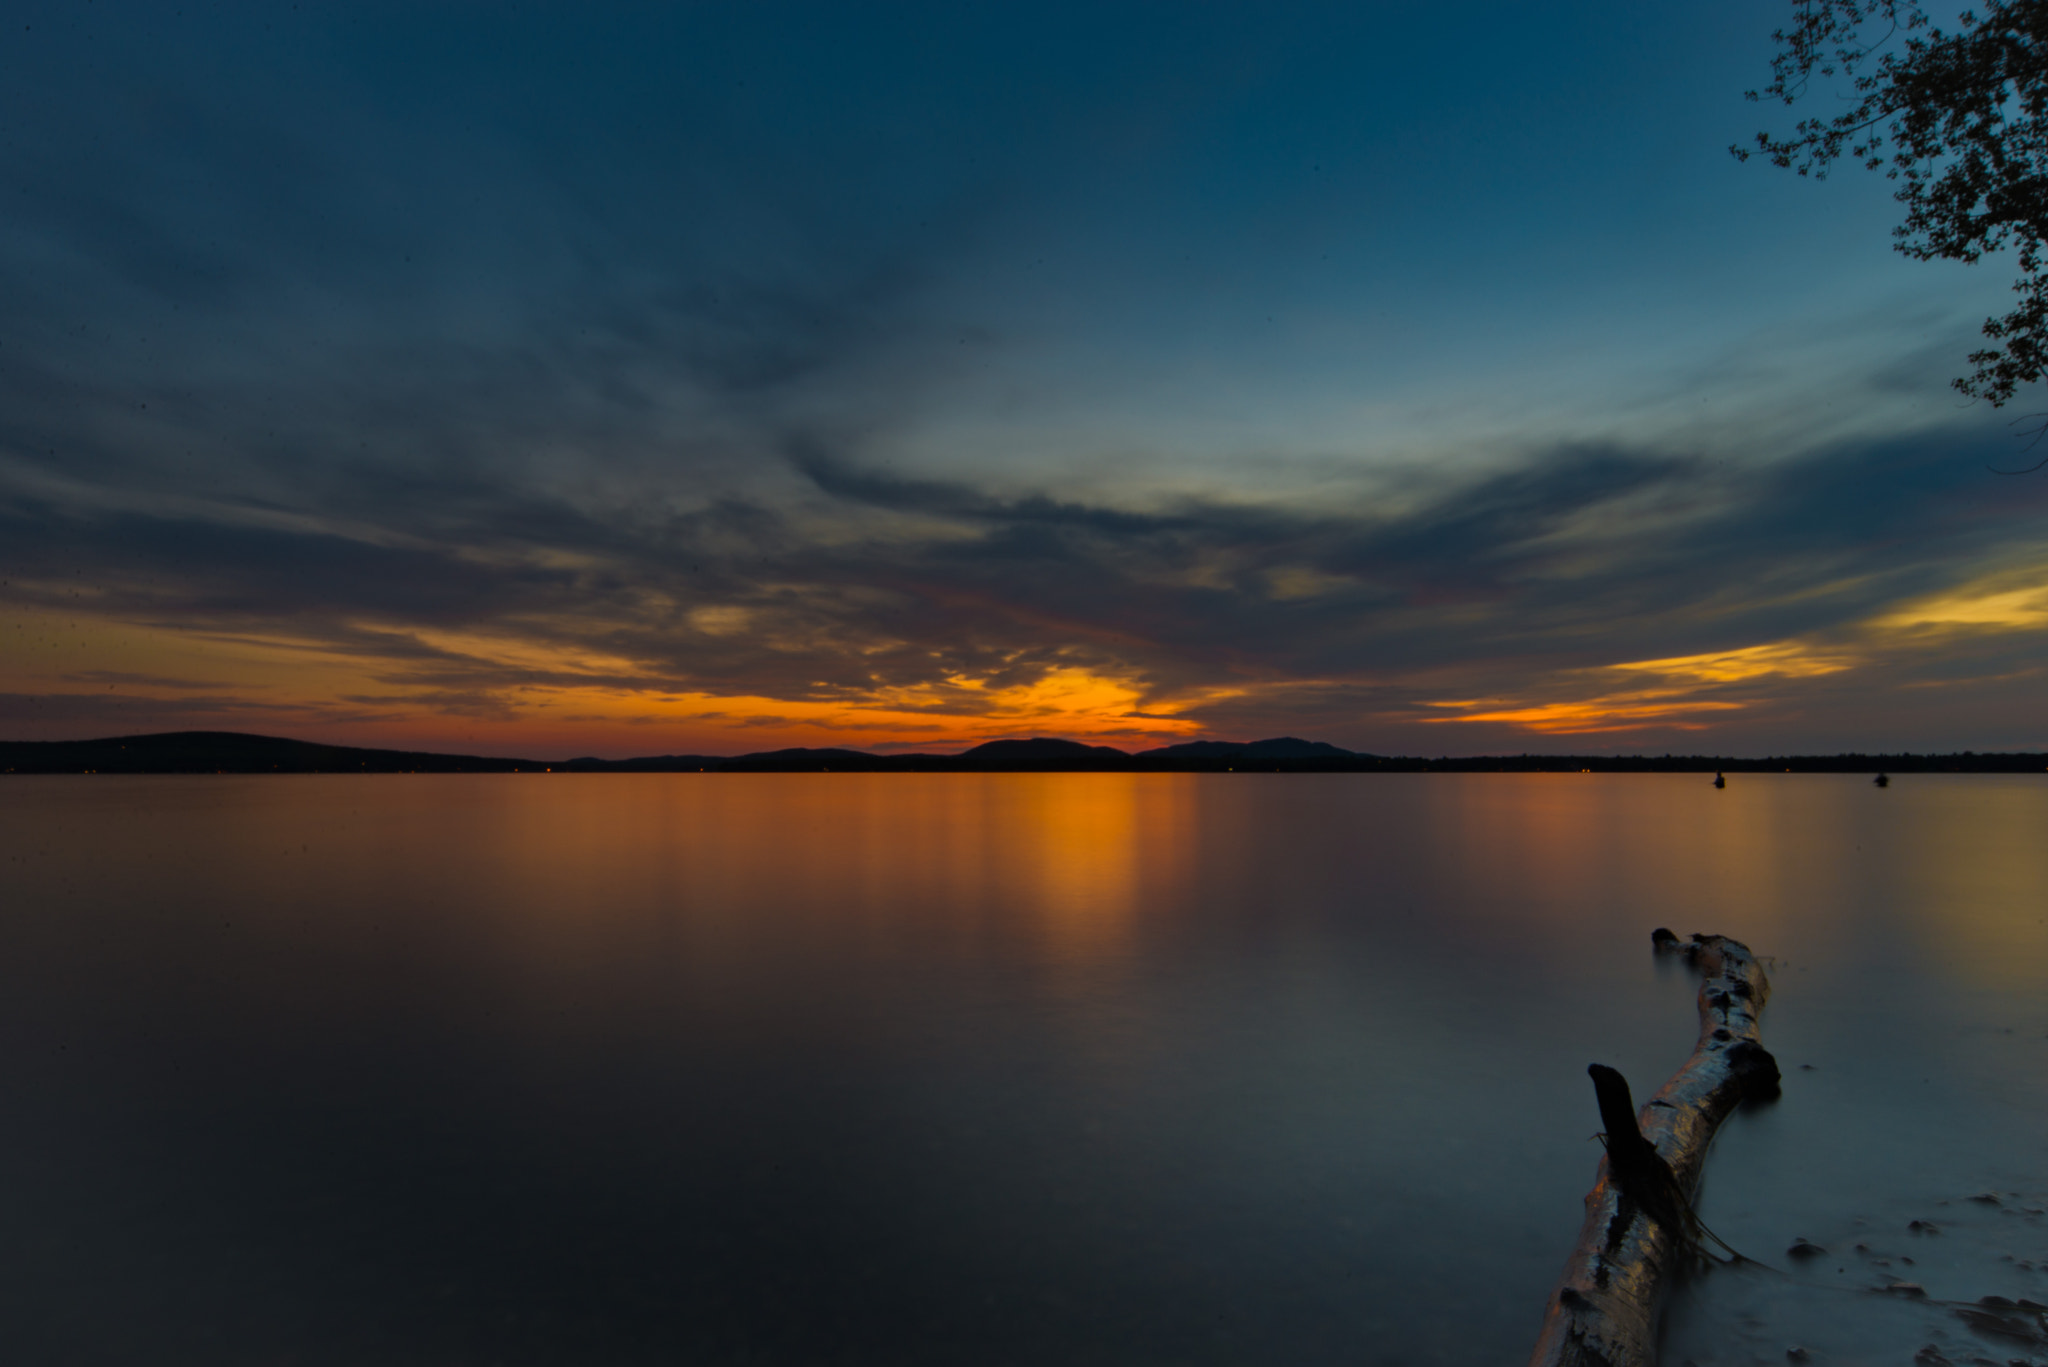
(1640, 1225)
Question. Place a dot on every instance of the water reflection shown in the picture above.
(868, 856)
(1971, 859)
(944, 1068)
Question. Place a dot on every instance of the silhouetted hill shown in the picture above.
(1040, 750)
(234, 752)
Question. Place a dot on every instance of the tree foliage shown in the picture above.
(1959, 118)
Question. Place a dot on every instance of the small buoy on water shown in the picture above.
(1884, 780)
(1720, 781)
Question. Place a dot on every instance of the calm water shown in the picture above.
(964, 1069)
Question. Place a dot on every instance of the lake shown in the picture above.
(987, 1069)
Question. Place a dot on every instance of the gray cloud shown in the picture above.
(861, 580)
(630, 378)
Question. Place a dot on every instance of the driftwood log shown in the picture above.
(1640, 1225)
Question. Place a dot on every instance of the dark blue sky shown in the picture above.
(633, 378)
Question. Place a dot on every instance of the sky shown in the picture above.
(637, 379)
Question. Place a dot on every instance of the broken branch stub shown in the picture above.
(1639, 1221)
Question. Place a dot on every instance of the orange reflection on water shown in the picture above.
(1969, 849)
(1799, 865)
(1556, 850)
(718, 875)
(1088, 842)
(866, 857)
(733, 865)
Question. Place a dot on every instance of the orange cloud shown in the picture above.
(1787, 659)
(1690, 692)
(517, 696)
(1631, 712)
(497, 690)
(1982, 605)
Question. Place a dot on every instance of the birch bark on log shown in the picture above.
(1604, 1312)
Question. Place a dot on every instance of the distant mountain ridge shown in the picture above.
(232, 752)
(1041, 748)
(235, 752)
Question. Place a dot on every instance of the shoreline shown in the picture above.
(227, 752)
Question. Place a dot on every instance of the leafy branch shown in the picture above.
(1959, 119)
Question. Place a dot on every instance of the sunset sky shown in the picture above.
(706, 378)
